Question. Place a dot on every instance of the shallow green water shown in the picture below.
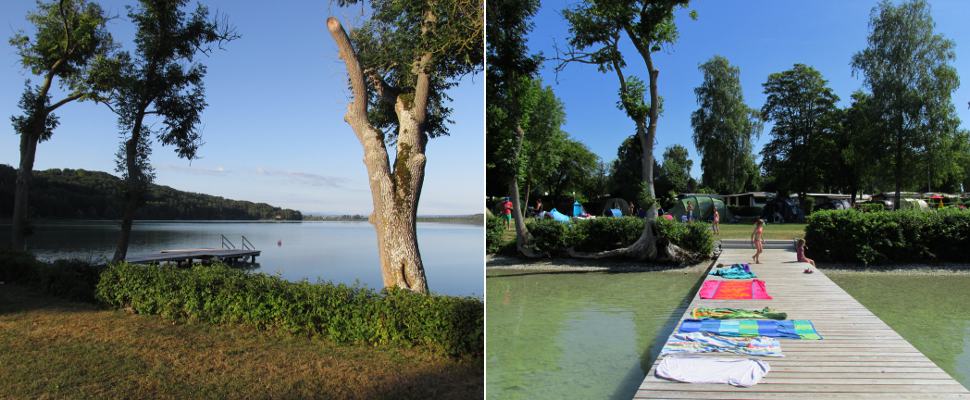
(931, 311)
(578, 335)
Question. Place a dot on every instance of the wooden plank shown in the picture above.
(859, 357)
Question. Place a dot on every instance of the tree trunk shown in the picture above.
(647, 245)
(127, 219)
(523, 239)
(25, 174)
(395, 194)
(133, 188)
(528, 190)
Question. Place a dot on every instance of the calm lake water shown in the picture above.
(343, 252)
(578, 335)
(593, 335)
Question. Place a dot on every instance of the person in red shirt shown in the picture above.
(507, 212)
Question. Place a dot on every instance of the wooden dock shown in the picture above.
(860, 357)
(189, 255)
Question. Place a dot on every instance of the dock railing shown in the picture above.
(226, 243)
(246, 244)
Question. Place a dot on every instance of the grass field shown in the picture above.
(51, 348)
(772, 231)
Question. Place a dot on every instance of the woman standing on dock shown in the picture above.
(757, 239)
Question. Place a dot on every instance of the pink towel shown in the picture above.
(734, 290)
(709, 288)
(759, 291)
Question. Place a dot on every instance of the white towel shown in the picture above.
(733, 371)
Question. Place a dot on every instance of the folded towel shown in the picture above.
(733, 371)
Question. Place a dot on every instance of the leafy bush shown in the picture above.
(549, 235)
(601, 234)
(870, 207)
(889, 236)
(70, 279)
(494, 231)
(220, 294)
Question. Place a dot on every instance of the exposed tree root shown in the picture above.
(649, 247)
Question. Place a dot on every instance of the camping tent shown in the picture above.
(703, 208)
(615, 204)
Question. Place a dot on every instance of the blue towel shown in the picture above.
(616, 212)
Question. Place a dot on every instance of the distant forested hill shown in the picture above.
(81, 194)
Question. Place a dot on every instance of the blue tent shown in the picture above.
(558, 216)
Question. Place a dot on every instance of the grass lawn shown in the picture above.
(772, 231)
(50, 348)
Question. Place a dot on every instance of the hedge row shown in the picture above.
(220, 294)
(889, 236)
(70, 279)
(494, 231)
(600, 234)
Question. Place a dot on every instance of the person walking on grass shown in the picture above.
(716, 226)
(507, 212)
(800, 247)
(758, 240)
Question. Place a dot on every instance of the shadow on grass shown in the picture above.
(15, 298)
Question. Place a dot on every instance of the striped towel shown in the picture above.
(791, 329)
(703, 342)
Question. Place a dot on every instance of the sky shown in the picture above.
(760, 37)
(273, 130)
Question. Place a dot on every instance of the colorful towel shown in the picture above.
(735, 290)
(736, 271)
(736, 313)
(703, 342)
(791, 329)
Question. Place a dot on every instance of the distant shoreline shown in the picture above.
(475, 219)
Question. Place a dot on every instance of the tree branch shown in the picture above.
(68, 99)
(358, 107)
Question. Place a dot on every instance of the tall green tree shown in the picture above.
(675, 168)
(802, 108)
(906, 67)
(508, 79)
(723, 128)
(69, 41)
(544, 140)
(596, 28)
(400, 64)
(860, 146)
(158, 93)
(577, 172)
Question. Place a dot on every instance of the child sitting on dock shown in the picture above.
(800, 247)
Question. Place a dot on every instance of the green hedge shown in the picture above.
(601, 234)
(889, 236)
(70, 279)
(220, 294)
(494, 231)
(871, 207)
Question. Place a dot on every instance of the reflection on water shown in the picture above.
(579, 336)
(930, 311)
(342, 252)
